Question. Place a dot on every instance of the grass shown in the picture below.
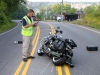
(85, 23)
(6, 27)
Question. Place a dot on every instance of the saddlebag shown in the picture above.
(71, 42)
(59, 45)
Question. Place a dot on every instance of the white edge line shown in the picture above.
(45, 67)
(86, 28)
(9, 30)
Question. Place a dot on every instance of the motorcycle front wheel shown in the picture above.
(57, 61)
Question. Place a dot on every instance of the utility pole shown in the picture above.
(62, 11)
(46, 13)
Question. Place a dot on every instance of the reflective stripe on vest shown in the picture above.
(27, 31)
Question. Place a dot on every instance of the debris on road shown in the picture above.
(92, 48)
(18, 42)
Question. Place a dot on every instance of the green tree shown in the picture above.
(38, 16)
(7, 8)
(20, 12)
(92, 14)
(56, 8)
(72, 11)
(66, 8)
(3, 8)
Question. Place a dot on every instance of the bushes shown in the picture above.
(7, 7)
(7, 26)
(3, 19)
(5, 23)
(20, 12)
(92, 14)
(91, 17)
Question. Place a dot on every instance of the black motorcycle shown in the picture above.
(59, 49)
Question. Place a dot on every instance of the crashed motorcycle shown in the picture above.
(57, 48)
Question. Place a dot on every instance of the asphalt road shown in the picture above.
(86, 62)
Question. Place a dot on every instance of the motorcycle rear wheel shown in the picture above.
(57, 61)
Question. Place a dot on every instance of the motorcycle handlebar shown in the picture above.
(59, 31)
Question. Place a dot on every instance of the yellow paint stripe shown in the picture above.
(58, 68)
(22, 63)
(33, 42)
(51, 28)
(29, 61)
(19, 68)
(36, 41)
(67, 72)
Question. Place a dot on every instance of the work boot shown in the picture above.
(25, 59)
(31, 57)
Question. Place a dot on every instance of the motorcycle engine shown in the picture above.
(50, 51)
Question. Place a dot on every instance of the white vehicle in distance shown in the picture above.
(59, 18)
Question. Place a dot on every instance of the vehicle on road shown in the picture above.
(57, 48)
(59, 19)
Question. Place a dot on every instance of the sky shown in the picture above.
(65, 0)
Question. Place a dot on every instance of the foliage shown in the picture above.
(72, 11)
(20, 12)
(66, 8)
(38, 16)
(13, 5)
(56, 8)
(91, 17)
(7, 8)
(48, 9)
(92, 14)
(7, 26)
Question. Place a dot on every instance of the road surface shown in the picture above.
(86, 62)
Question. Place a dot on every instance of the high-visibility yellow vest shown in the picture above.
(27, 31)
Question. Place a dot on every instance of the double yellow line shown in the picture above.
(25, 67)
(59, 69)
(21, 65)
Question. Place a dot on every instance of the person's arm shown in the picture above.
(25, 25)
(28, 25)
(36, 24)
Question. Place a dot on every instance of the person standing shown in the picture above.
(27, 34)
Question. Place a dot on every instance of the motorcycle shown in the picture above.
(57, 48)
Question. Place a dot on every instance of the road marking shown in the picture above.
(19, 68)
(89, 29)
(52, 28)
(45, 67)
(29, 61)
(67, 72)
(22, 63)
(86, 28)
(58, 68)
